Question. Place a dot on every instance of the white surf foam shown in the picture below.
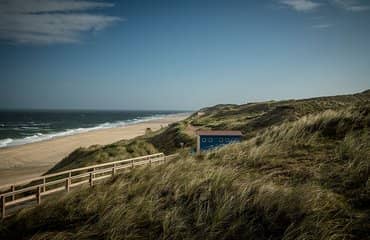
(5, 142)
(8, 142)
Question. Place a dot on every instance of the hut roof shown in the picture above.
(219, 133)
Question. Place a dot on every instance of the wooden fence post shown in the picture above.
(44, 184)
(91, 179)
(114, 170)
(2, 205)
(38, 195)
(132, 163)
(68, 183)
(12, 188)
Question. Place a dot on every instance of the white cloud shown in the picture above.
(351, 5)
(40, 6)
(301, 5)
(359, 8)
(50, 21)
(322, 26)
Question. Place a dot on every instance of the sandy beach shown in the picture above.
(31, 160)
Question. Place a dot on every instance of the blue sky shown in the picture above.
(68, 54)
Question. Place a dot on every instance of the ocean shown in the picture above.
(21, 127)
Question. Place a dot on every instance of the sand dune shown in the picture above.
(31, 160)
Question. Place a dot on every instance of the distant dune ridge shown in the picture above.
(302, 172)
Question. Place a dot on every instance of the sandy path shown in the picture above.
(31, 160)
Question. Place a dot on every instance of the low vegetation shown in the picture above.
(167, 140)
(96, 154)
(301, 178)
(251, 118)
(172, 138)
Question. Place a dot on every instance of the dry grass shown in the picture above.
(307, 179)
(124, 149)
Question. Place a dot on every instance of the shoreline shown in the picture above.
(29, 160)
(15, 142)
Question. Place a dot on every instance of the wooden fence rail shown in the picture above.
(34, 189)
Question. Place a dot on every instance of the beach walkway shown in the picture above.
(16, 196)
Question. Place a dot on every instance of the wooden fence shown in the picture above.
(32, 190)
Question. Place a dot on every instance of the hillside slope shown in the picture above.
(253, 117)
(167, 140)
(96, 154)
(249, 118)
(302, 178)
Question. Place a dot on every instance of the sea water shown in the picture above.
(19, 127)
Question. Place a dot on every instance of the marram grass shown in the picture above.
(302, 179)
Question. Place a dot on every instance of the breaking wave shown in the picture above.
(8, 142)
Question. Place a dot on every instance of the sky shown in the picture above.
(179, 54)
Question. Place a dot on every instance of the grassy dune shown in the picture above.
(96, 154)
(166, 140)
(305, 177)
(253, 117)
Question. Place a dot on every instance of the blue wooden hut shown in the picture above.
(211, 139)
